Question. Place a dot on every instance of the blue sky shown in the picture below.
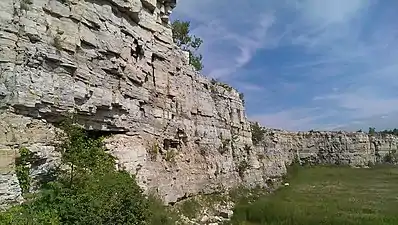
(303, 64)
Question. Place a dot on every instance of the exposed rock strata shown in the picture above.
(113, 64)
(323, 147)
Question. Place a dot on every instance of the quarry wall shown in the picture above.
(113, 64)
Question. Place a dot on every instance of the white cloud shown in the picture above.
(294, 119)
(251, 87)
(328, 12)
(362, 105)
(232, 36)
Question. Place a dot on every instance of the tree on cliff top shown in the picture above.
(187, 42)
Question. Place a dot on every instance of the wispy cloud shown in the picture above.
(295, 119)
(251, 87)
(231, 40)
(337, 56)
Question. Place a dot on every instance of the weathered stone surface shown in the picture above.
(17, 131)
(113, 63)
(317, 147)
(10, 191)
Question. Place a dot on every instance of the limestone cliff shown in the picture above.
(113, 64)
(323, 147)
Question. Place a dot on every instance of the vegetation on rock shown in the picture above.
(391, 157)
(187, 42)
(87, 189)
(23, 169)
(257, 133)
(224, 147)
(219, 83)
(153, 151)
(242, 97)
(242, 167)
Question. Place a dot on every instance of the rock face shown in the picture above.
(114, 65)
(317, 147)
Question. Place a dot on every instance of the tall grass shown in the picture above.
(329, 196)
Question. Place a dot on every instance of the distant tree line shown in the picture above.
(373, 131)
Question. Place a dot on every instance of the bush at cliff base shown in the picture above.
(90, 192)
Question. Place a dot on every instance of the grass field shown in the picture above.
(328, 196)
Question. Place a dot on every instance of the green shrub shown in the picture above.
(23, 169)
(390, 157)
(90, 192)
(190, 208)
(257, 133)
(170, 156)
(159, 214)
(223, 148)
(242, 167)
(242, 97)
(153, 151)
(247, 149)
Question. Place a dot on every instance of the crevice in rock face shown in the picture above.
(82, 101)
(179, 199)
(138, 52)
(142, 109)
(169, 143)
(48, 111)
(112, 71)
(181, 135)
(153, 70)
(86, 45)
(51, 13)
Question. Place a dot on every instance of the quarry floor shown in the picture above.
(327, 195)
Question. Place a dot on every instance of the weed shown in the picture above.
(370, 163)
(224, 85)
(242, 98)
(153, 151)
(23, 169)
(223, 148)
(247, 149)
(390, 157)
(257, 133)
(170, 156)
(190, 208)
(242, 167)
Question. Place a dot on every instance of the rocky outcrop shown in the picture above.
(114, 65)
(9, 186)
(339, 148)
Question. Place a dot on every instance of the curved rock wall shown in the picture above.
(317, 147)
(113, 63)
